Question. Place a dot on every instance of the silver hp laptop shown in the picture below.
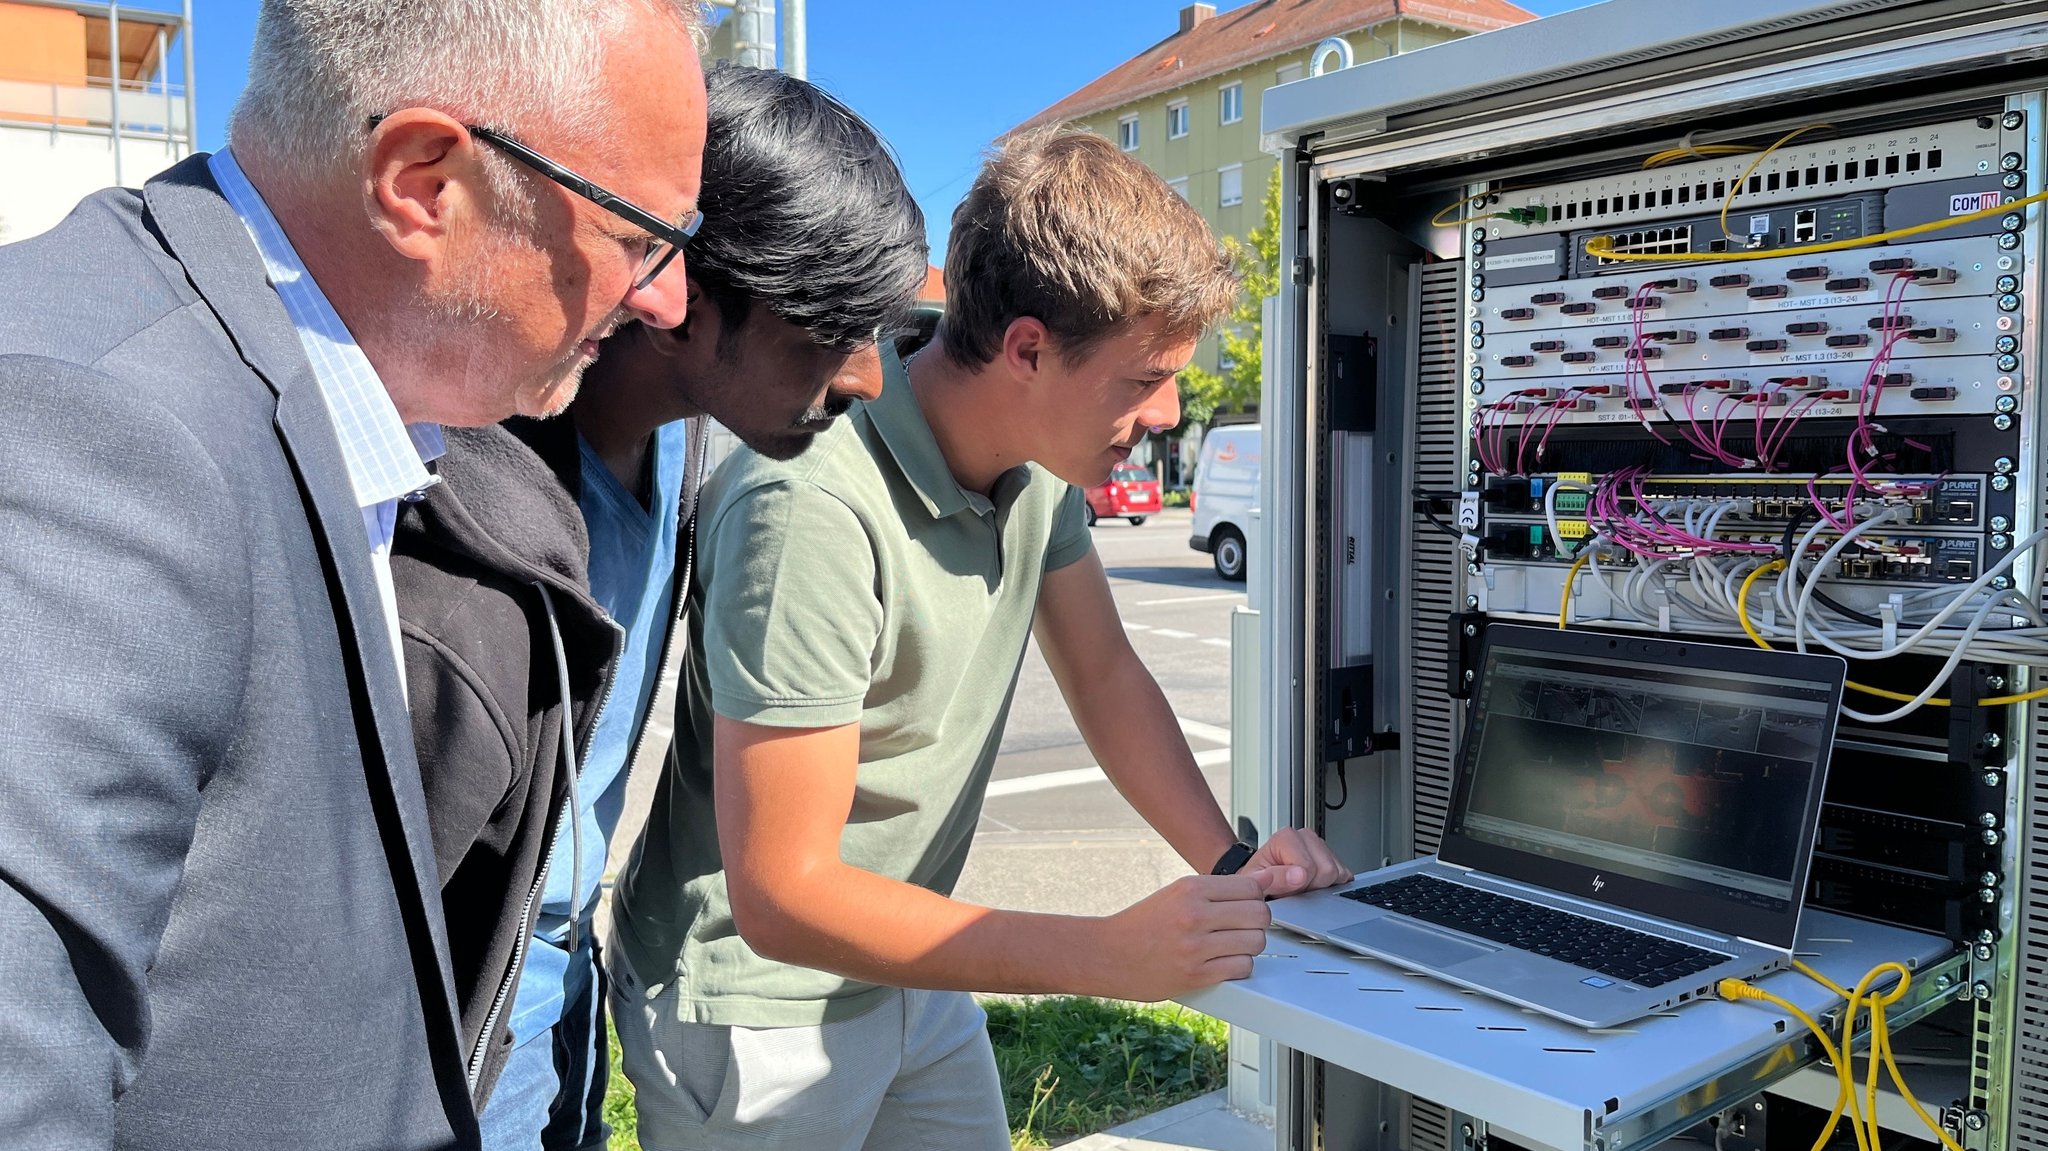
(1632, 821)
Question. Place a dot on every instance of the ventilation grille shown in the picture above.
(1429, 1126)
(2029, 1066)
(1435, 565)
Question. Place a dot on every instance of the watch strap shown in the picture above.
(1233, 859)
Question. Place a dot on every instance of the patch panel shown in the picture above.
(1749, 230)
(1948, 326)
(1938, 269)
(1958, 149)
(1952, 385)
(1946, 501)
(1893, 559)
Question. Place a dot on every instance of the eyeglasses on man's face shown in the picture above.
(666, 240)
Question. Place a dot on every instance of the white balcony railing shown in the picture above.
(147, 109)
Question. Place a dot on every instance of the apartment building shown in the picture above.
(1188, 106)
(86, 102)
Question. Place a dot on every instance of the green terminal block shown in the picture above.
(1571, 510)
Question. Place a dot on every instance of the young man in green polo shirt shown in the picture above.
(865, 611)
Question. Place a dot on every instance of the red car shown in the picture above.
(1130, 492)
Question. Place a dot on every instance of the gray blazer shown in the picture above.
(219, 921)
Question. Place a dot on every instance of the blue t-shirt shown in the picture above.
(632, 576)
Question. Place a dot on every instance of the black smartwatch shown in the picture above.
(1234, 858)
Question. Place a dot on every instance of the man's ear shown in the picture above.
(423, 173)
(1026, 344)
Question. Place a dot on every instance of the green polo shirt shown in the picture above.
(857, 583)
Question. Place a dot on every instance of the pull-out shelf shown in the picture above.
(1550, 1084)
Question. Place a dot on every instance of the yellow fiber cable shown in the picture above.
(1862, 1120)
(1742, 615)
(1742, 602)
(1882, 1040)
(1735, 189)
(1602, 247)
(1865, 1125)
(1802, 968)
(1880, 1051)
(1564, 604)
(1699, 152)
(1735, 990)
(1438, 221)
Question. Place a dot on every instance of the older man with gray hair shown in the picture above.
(220, 925)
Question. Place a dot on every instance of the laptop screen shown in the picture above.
(1698, 773)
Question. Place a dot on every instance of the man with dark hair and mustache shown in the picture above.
(540, 584)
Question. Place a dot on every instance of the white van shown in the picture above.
(1226, 488)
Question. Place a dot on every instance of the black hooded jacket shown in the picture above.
(489, 567)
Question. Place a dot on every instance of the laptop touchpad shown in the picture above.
(1414, 943)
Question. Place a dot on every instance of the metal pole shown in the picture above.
(191, 87)
(753, 41)
(163, 88)
(795, 52)
(114, 70)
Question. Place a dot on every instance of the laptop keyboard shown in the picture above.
(1617, 952)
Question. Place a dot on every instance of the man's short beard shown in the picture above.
(506, 228)
(470, 299)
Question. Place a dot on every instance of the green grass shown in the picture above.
(1070, 1066)
(618, 1100)
(1073, 1066)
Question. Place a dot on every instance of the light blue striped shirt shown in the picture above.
(386, 457)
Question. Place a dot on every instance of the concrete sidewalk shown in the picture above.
(1205, 1123)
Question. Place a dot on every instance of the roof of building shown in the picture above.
(1260, 31)
(934, 290)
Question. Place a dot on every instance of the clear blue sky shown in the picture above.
(938, 80)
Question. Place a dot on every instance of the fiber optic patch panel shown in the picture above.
(1762, 340)
(1959, 149)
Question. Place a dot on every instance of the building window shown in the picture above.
(1176, 119)
(1179, 186)
(1233, 103)
(1127, 133)
(1289, 74)
(1230, 185)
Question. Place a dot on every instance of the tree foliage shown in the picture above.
(1257, 258)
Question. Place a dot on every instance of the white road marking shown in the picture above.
(1189, 599)
(1129, 626)
(1048, 781)
(1212, 641)
(1173, 633)
(1208, 731)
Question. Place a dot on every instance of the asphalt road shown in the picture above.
(1055, 836)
